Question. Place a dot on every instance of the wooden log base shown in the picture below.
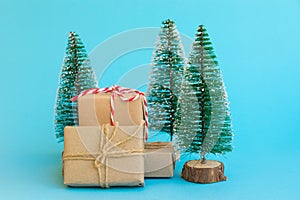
(210, 172)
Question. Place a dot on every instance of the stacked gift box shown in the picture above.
(108, 147)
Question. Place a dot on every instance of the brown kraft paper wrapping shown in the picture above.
(95, 110)
(160, 158)
(104, 156)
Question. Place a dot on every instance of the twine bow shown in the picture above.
(120, 92)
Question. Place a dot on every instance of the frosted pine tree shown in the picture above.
(205, 124)
(165, 79)
(76, 76)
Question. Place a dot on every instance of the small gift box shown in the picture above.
(106, 105)
(104, 156)
(160, 158)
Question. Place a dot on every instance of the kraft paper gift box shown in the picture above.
(160, 158)
(104, 156)
(95, 109)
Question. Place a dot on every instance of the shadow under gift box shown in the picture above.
(104, 156)
(95, 109)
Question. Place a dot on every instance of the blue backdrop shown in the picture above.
(257, 44)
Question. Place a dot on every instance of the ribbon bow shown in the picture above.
(120, 92)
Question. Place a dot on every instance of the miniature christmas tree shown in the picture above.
(165, 79)
(204, 126)
(76, 76)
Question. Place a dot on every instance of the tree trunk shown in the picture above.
(210, 172)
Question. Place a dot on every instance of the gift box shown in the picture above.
(104, 156)
(160, 158)
(107, 105)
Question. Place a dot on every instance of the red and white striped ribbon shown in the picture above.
(118, 91)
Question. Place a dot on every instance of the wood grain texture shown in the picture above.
(210, 172)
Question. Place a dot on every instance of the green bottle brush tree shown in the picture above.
(203, 124)
(76, 76)
(165, 79)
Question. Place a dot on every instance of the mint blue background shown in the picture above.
(257, 43)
